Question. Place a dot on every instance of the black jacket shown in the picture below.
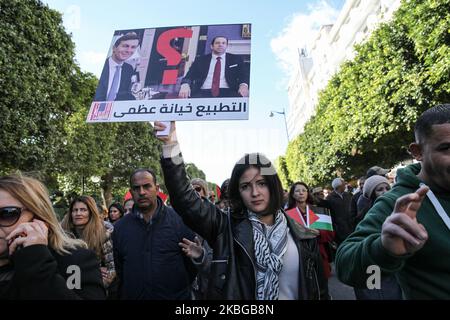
(231, 237)
(343, 219)
(39, 273)
(354, 207)
(149, 262)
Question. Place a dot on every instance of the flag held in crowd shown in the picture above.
(320, 219)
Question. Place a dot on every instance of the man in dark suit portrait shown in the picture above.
(218, 74)
(115, 80)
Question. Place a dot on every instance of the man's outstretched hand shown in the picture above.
(401, 233)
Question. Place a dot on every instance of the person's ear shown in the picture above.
(416, 151)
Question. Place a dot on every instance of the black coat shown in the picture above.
(231, 237)
(343, 218)
(235, 72)
(149, 262)
(39, 273)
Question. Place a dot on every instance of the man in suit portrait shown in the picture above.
(115, 80)
(218, 74)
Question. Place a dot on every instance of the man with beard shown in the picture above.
(407, 231)
(150, 263)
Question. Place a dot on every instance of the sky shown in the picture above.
(279, 29)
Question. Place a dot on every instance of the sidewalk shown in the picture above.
(339, 290)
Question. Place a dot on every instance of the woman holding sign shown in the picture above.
(301, 208)
(259, 253)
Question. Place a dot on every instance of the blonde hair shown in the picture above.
(34, 196)
(94, 233)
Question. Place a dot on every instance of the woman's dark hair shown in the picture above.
(119, 207)
(224, 190)
(291, 202)
(258, 161)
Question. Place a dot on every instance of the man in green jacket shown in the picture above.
(407, 231)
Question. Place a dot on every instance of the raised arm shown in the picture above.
(386, 237)
(203, 217)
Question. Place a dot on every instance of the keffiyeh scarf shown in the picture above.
(270, 246)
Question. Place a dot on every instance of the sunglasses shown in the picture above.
(198, 189)
(10, 215)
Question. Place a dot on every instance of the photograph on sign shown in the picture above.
(175, 73)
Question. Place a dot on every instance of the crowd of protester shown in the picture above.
(256, 242)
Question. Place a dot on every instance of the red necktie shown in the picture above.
(215, 89)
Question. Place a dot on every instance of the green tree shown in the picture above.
(366, 113)
(111, 151)
(194, 172)
(36, 72)
(44, 101)
(283, 172)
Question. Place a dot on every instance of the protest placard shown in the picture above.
(175, 73)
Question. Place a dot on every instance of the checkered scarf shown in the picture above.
(270, 246)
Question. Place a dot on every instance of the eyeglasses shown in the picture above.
(10, 215)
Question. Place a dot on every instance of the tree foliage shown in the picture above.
(36, 72)
(283, 173)
(44, 101)
(111, 151)
(194, 172)
(366, 113)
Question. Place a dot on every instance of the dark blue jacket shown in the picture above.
(149, 263)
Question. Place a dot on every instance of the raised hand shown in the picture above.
(401, 233)
(171, 137)
(192, 249)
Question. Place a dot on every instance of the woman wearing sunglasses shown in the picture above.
(85, 222)
(38, 260)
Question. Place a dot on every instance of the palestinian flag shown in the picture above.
(320, 220)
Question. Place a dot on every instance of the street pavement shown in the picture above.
(337, 289)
